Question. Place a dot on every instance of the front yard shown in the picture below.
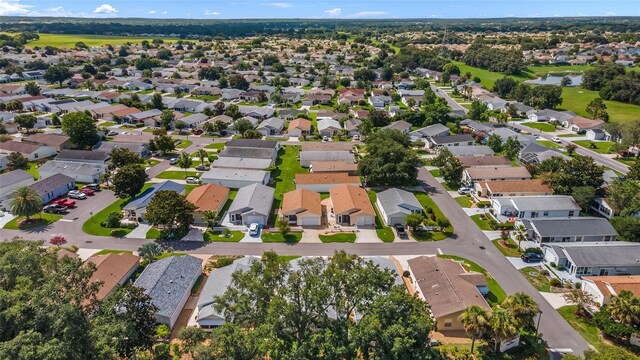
(601, 147)
(338, 238)
(92, 225)
(176, 174)
(540, 126)
(286, 168)
(215, 236)
(276, 237)
(432, 215)
(482, 221)
(496, 294)
(511, 250)
(464, 201)
(385, 234)
(537, 278)
(184, 144)
(39, 220)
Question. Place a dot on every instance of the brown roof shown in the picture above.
(326, 178)
(125, 112)
(352, 200)
(210, 197)
(303, 201)
(480, 173)
(300, 123)
(446, 285)
(469, 161)
(18, 146)
(511, 186)
(110, 109)
(46, 139)
(111, 270)
(327, 146)
(617, 284)
(584, 122)
(109, 94)
(333, 166)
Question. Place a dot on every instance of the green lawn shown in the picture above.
(69, 41)
(550, 144)
(588, 330)
(576, 100)
(384, 232)
(540, 126)
(496, 293)
(286, 168)
(152, 162)
(176, 174)
(512, 251)
(38, 220)
(488, 78)
(110, 251)
(92, 226)
(601, 147)
(557, 69)
(153, 233)
(33, 170)
(214, 236)
(427, 203)
(216, 146)
(196, 287)
(338, 238)
(435, 173)
(290, 238)
(107, 124)
(184, 144)
(464, 201)
(482, 224)
(535, 277)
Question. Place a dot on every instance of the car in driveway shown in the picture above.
(173, 161)
(202, 168)
(465, 191)
(92, 186)
(254, 229)
(112, 133)
(197, 132)
(77, 194)
(87, 191)
(556, 140)
(55, 209)
(402, 233)
(325, 138)
(531, 257)
(192, 180)
(65, 202)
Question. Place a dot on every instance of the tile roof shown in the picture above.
(470, 161)
(510, 186)
(613, 285)
(209, 197)
(111, 270)
(300, 123)
(333, 166)
(306, 201)
(326, 178)
(352, 200)
(482, 173)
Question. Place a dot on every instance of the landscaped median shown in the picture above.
(338, 238)
(433, 216)
(35, 221)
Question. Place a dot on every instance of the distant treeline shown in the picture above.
(301, 27)
(613, 83)
(508, 61)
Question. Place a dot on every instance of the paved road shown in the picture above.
(603, 160)
(452, 103)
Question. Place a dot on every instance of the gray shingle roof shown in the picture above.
(452, 139)
(255, 198)
(216, 285)
(80, 155)
(13, 177)
(145, 198)
(327, 156)
(470, 150)
(252, 143)
(544, 203)
(72, 167)
(51, 183)
(242, 163)
(607, 254)
(245, 152)
(576, 226)
(396, 201)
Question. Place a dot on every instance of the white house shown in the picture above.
(252, 204)
(395, 204)
(235, 178)
(12, 180)
(32, 152)
(531, 207)
(78, 171)
(328, 127)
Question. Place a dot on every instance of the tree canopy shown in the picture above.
(81, 129)
(389, 161)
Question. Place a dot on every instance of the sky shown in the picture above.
(328, 9)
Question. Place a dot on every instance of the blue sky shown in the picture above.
(238, 9)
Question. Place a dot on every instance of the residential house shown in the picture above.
(243, 153)
(307, 157)
(79, 171)
(108, 146)
(435, 130)
(302, 207)
(531, 207)
(58, 142)
(32, 152)
(602, 288)
(579, 124)
(137, 208)
(484, 161)
(380, 101)
(327, 146)
(168, 282)
(617, 258)
(450, 141)
(83, 156)
(481, 150)
(352, 125)
(395, 204)
(315, 99)
(535, 153)
(274, 146)
(488, 173)
(598, 134)
(193, 121)
(576, 229)
(12, 180)
(252, 204)
(328, 127)
(324, 182)
(502, 188)
(53, 187)
(402, 126)
(242, 163)
(602, 207)
(271, 126)
(549, 115)
(112, 270)
(416, 95)
(209, 197)
(350, 206)
(235, 178)
(448, 288)
(299, 127)
(318, 167)
(143, 116)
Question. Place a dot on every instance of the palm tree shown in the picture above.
(520, 235)
(581, 299)
(475, 321)
(523, 308)
(210, 217)
(625, 308)
(25, 202)
(202, 154)
(503, 326)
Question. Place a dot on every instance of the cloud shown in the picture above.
(13, 7)
(333, 12)
(164, 12)
(211, 13)
(610, 13)
(152, 12)
(282, 5)
(370, 14)
(105, 9)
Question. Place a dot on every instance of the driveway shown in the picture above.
(140, 232)
(519, 264)
(367, 236)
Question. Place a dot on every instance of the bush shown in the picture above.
(609, 327)
(553, 265)
(545, 272)
(578, 285)
(139, 125)
(429, 210)
(131, 226)
(118, 233)
(224, 262)
(534, 251)
(113, 220)
(555, 282)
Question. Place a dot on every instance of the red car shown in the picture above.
(65, 202)
(88, 191)
(197, 132)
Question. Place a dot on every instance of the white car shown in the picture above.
(75, 194)
(254, 229)
(464, 191)
(192, 180)
(556, 140)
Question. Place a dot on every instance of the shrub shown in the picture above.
(553, 265)
(118, 233)
(578, 285)
(113, 220)
(131, 226)
(429, 210)
(224, 262)
(545, 272)
(139, 125)
(534, 251)
(555, 282)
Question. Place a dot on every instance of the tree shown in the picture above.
(16, 160)
(129, 180)
(565, 81)
(163, 143)
(379, 118)
(494, 141)
(523, 308)
(185, 161)
(581, 299)
(238, 82)
(478, 110)
(32, 88)
(584, 196)
(25, 201)
(520, 235)
(81, 129)
(167, 118)
(57, 240)
(55, 120)
(597, 109)
(150, 250)
(503, 326)
(283, 226)
(220, 127)
(210, 217)
(242, 126)
(156, 101)
(634, 171)
(233, 111)
(476, 322)
(170, 209)
(443, 223)
(25, 121)
(202, 154)
(564, 175)
(625, 308)
(511, 147)
(628, 227)
(122, 156)
(57, 74)
(571, 148)
(180, 125)
(452, 171)
(622, 195)
(191, 337)
(414, 220)
(389, 161)
(503, 87)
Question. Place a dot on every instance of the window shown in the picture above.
(580, 239)
(447, 323)
(571, 213)
(534, 214)
(36, 155)
(545, 214)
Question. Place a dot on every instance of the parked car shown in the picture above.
(87, 191)
(254, 229)
(202, 167)
(92, 186)
(55, 209)
(325, 138)
(402, 233)
(192, 180)
(556, 140)
(531, 257)
(465, 191)
(112, 133)
(356, 137)
(65, 202)
(197, 132)
(77, 194)
(173, 161)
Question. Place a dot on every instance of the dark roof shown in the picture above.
(13, 177)
(251, 143)
(93, 155)
(452, 139)
(51, 183)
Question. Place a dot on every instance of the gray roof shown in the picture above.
(142, 200)
(254, 198)
(273, 122)
(254, 153)
(398, 125)
(13, 177)
(72, 167)
(146, 114)
(217, 283)
(452, 139)
(544, 203)
(396, 201)
(431, 130)
(328, 123)
(470, 150)
(234, 174)
(242, 163)
(51, 183)
(576, 226)
(605, 254)
(194, 119)
(109, 146)
(352, 124)
(327, 156)
(252, 143)
(167, 281)
(80, 155)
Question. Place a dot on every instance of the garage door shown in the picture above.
(310, 221)
(364, 221)
(254, 219)
(396, 220)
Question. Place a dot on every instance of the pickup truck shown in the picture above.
(65, 202)
(55, 209)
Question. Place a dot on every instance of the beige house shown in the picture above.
(209, 197)
(302, 207)
(351, 206)
(531, 187)
(299, 127)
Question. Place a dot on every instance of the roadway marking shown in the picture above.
(440, 252)
(65, 220)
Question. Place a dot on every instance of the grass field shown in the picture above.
(287, 166)
(540, 126)
(488, 78)
(496, 293)
(36, 221)
(482, 224)
(576, 99)
(290, 238)
(184, 144)
(110, 251)
(601, 147)
(213, 236)
(512, 251)
(550, 144)
(539, 281)
(153, 233)
(69, 41)
(176, 174)
(464, 201)
(33, 170)
(338, 238)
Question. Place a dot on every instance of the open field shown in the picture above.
(601, 147)
(540, 126)
(576, 99)
(69, 41)
(488, 78)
